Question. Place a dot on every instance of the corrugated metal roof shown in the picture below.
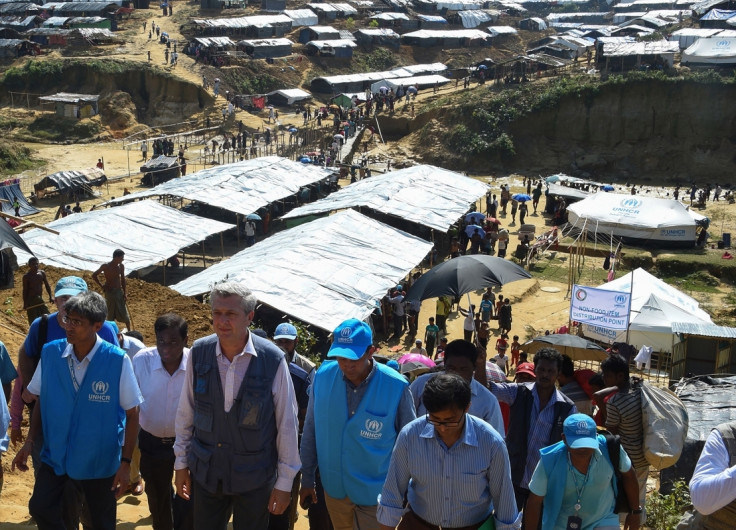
(704, 329)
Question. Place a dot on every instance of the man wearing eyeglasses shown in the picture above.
(88, 407)
(356, 409)
(452, 468)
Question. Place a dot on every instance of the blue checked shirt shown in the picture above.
(540, 424)
(449, 487)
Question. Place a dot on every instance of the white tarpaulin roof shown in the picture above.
(474, 18)
(422, 81)
(447, 34)
(147, 231)
(634, 216)
(340, 43)
(711, 50)
(302, 17)
(501, 30)
(321, 272)
(242, 187)
(291, 94)
(427, 195)
(657, 47)
(402, 71)
(655, 306)
(258, 21)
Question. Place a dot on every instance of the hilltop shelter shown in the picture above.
(341, 48)
(424, 195)
(105, 10)
(301, 17)
(501, 31)
(448, 38)
(288, 96)
(356, 82)
(627, 56)
(147, 231)
(472, 18)
(73, 105)
(215, 44)
(327, 11)
(71, 183)
(421, 81)
(160, 169)
(327, 270)
(638, 219)
(711, 51)
(262, 26)
(533, 24)
(655, 307)
(311, 33)
(243, 187)
(14, 48)
(377, 37)
(688, 36)
(266, 48)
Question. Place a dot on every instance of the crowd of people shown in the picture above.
(242, 426)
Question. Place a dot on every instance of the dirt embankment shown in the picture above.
(648, 130)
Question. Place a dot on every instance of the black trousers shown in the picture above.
(47, 501)
(213, 510)
(157, 469)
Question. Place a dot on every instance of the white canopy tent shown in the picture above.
(422, 81)
(655, 306)
(712, 51)
(147, 231)
(659, 221)
(321, 272)
(242, 187)
(427, 195)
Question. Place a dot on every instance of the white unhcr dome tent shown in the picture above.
(637, 218)
(711, 50)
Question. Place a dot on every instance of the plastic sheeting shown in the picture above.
(242, 187)
(322, 272)
(422, 81)
(660, 47)
(147, 231)
(447, 34)
(711, 50)
(426, 195)
(495, 31)
(12, 192)
(302, 17)
(67, 181)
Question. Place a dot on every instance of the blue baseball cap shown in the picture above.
(351, 340)
(285, 331)
(70, 286)
(580, 432)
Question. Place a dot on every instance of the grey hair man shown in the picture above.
(238, 454)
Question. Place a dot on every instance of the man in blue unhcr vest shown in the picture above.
(88, 398)
(356, 409)
(451, 467)
(236, 425)
(575, 480)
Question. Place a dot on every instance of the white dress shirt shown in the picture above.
(231, 376)
(131, 345)
(713, 485)
(130, 394)
(161, 391)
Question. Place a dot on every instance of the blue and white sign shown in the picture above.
(600, 307)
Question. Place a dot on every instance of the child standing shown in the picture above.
(501, 359)
(515, 349)
(486, 308)
(431, 333)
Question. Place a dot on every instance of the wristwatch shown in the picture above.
(127, 461)
(638, 511)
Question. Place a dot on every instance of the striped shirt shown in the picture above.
(540, 423)
(624, 414)
(449, 487)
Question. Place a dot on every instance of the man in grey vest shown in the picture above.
(713, 486)
(236, 426)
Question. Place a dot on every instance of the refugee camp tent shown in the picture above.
(326, 271)
(473, 18)
(639, 219)
(73, 105)
(431, 22)
(71, 182)
(420, 81)
(500, 31)
(533, 24)
(426, 195)
(288, 96)
(147, 231)
(11, 191)
(447, 38)
(655, 306)
(331, 48)
(301, 17)
(377, 36)
(632, 55)
(241, 187)
(14, 48)
(685, 37)
(266, 48)
(356, 82)
(318, 33)
(160, 169)
(711, 51)
(9, 238)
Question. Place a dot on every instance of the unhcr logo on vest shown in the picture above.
(372, 429)
(99, 392)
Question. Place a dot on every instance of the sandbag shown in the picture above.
(665, 422)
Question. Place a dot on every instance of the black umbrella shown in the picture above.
(578, 348)
(464, 274)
